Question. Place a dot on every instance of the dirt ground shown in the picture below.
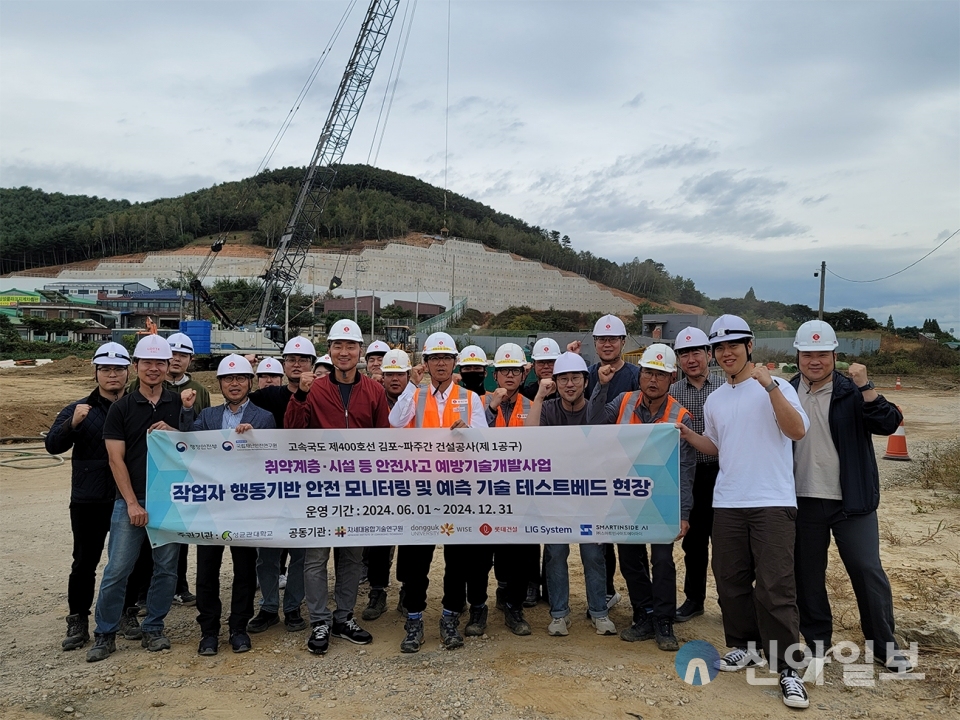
(499, 676)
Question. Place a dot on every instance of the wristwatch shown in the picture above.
(772, 386)
(868, 386)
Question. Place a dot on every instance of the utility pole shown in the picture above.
(286, 317)
(823, 279)
(357, 269)
(373, 302)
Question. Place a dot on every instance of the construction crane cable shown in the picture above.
(446, 123)
(950, 237)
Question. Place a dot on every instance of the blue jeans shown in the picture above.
(558, 578)
(268, 574)
(122, 551)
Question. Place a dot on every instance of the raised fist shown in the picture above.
(188, 397)
(79, 413)
(605, 373)
(547, 386)
(306, 380)
(496, 397)
(416, 374)
(574, 346)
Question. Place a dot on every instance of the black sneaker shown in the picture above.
(533, 595)
(349, 630)
(129, 624)
(376, 604)
(688, 611)
(319, 641)
(792, 690)
(240, 641)
(513, 617)
(154, 640)
(209, 645)
(78, 632)
(450, 631)
(663, 632)
(414, 639)
(640, 630)
(103, 645)
(186, 598)
(477, 625)
(293, 621)
(262, 621)
(739, 659)
(898, 662)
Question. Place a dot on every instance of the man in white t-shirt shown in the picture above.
(751, 423)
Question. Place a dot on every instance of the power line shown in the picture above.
(898, 271)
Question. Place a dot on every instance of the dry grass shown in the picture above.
(938, 467)
(890, 535)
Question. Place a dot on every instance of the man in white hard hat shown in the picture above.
(235, 376)
(472, 363)
(442, 404)
(181, 347)
(129, 419)
(269, 373)
(692, 390)
(838, 492)
(343, 399)
(323, 366)
(569, 407)
(751, 423)
(298, 357)
(374, 359)
(651, 404)
(545, 352)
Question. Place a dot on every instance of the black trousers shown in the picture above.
(90, 523)
(378, 559)
(534, 572)
(858, 542)
(209, 607)
(466, 574)
(518, 565)
(661, 592)
(413, 570)
(182, 585)
(696, 543)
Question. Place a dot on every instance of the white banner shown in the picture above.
(312, 488)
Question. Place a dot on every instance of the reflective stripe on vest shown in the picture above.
(674, 412)
(427, 409)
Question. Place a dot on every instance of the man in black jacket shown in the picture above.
(838, 491)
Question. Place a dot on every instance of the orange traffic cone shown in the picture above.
(898, 385)
(897, 445)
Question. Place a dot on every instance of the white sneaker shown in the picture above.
(739, 659)
(559, 627)
(283, 581)
(613, 600)
(604, 626)
(792, 689)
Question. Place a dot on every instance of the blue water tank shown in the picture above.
(199, 332)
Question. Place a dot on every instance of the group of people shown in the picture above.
(769, 469)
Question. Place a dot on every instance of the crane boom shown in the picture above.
(284, 270)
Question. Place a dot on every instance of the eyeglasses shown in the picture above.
(230, 379)
(442, 358)
(655, 375)
(607, 340)
(510, 371)
(297, 360)
(572, 379)
(112, 369)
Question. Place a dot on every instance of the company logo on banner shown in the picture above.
(310, 488)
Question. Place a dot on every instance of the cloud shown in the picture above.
(813, 200)
(635, 102)
(692, 153)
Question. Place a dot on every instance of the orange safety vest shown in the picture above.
(674, 412)
(428, 415)
(521, 408)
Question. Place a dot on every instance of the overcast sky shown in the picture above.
(738, 143)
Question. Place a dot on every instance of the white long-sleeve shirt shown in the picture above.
(405, 409)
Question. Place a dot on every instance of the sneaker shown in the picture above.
(103, 645)
(639, 630)
(477, 625)
(294, 621)
(559, 627)
(414, 639)
(792, 689)
(663, 632)
(130, 625)
(78, 632)
(376, 604)
(240, 641)
(604, 625)
(185, 598)
(450, 631)
(349, 630)
(209, 645)
(613, 600)
(262, 621)
(154, 640)
(898, 663)
(282, 582)
(513, 617)
(319, 640)
(738, 659)
(533, 595)
(688, 611)
(402, 601)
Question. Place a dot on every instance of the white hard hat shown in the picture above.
(152, 347)
(395, 361)
(569, 362)
(269, 366)
(609, 326)
(111, 353)
(691, 337)
(815, 335)
(345, 330)
(234, 365)
(659, 357)
(729, 327)
(324, 360)
(439, 343)
(509, 355)
(377, 346)
(545, 349)
(299, 346)
(472, 355)
(180, 343)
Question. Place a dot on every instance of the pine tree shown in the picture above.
(890, 326)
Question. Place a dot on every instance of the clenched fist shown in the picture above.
(547, 386)
(496, 397)
(761, 375)
(79, 413)
(416, 374)
(605, 373)
(858, 373)
(188, 397)
(306, 380)
(574, 346)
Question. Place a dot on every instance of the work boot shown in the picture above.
(103, 645)
(688, 611)
(533, 595)
(663, 630)
(414, 639)
(641, 629)
(450, 631)
(78, 632)
(130, 625)
(154, 640)
(262, 621)
(477, 625)
(376, 604)
(513, 617)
